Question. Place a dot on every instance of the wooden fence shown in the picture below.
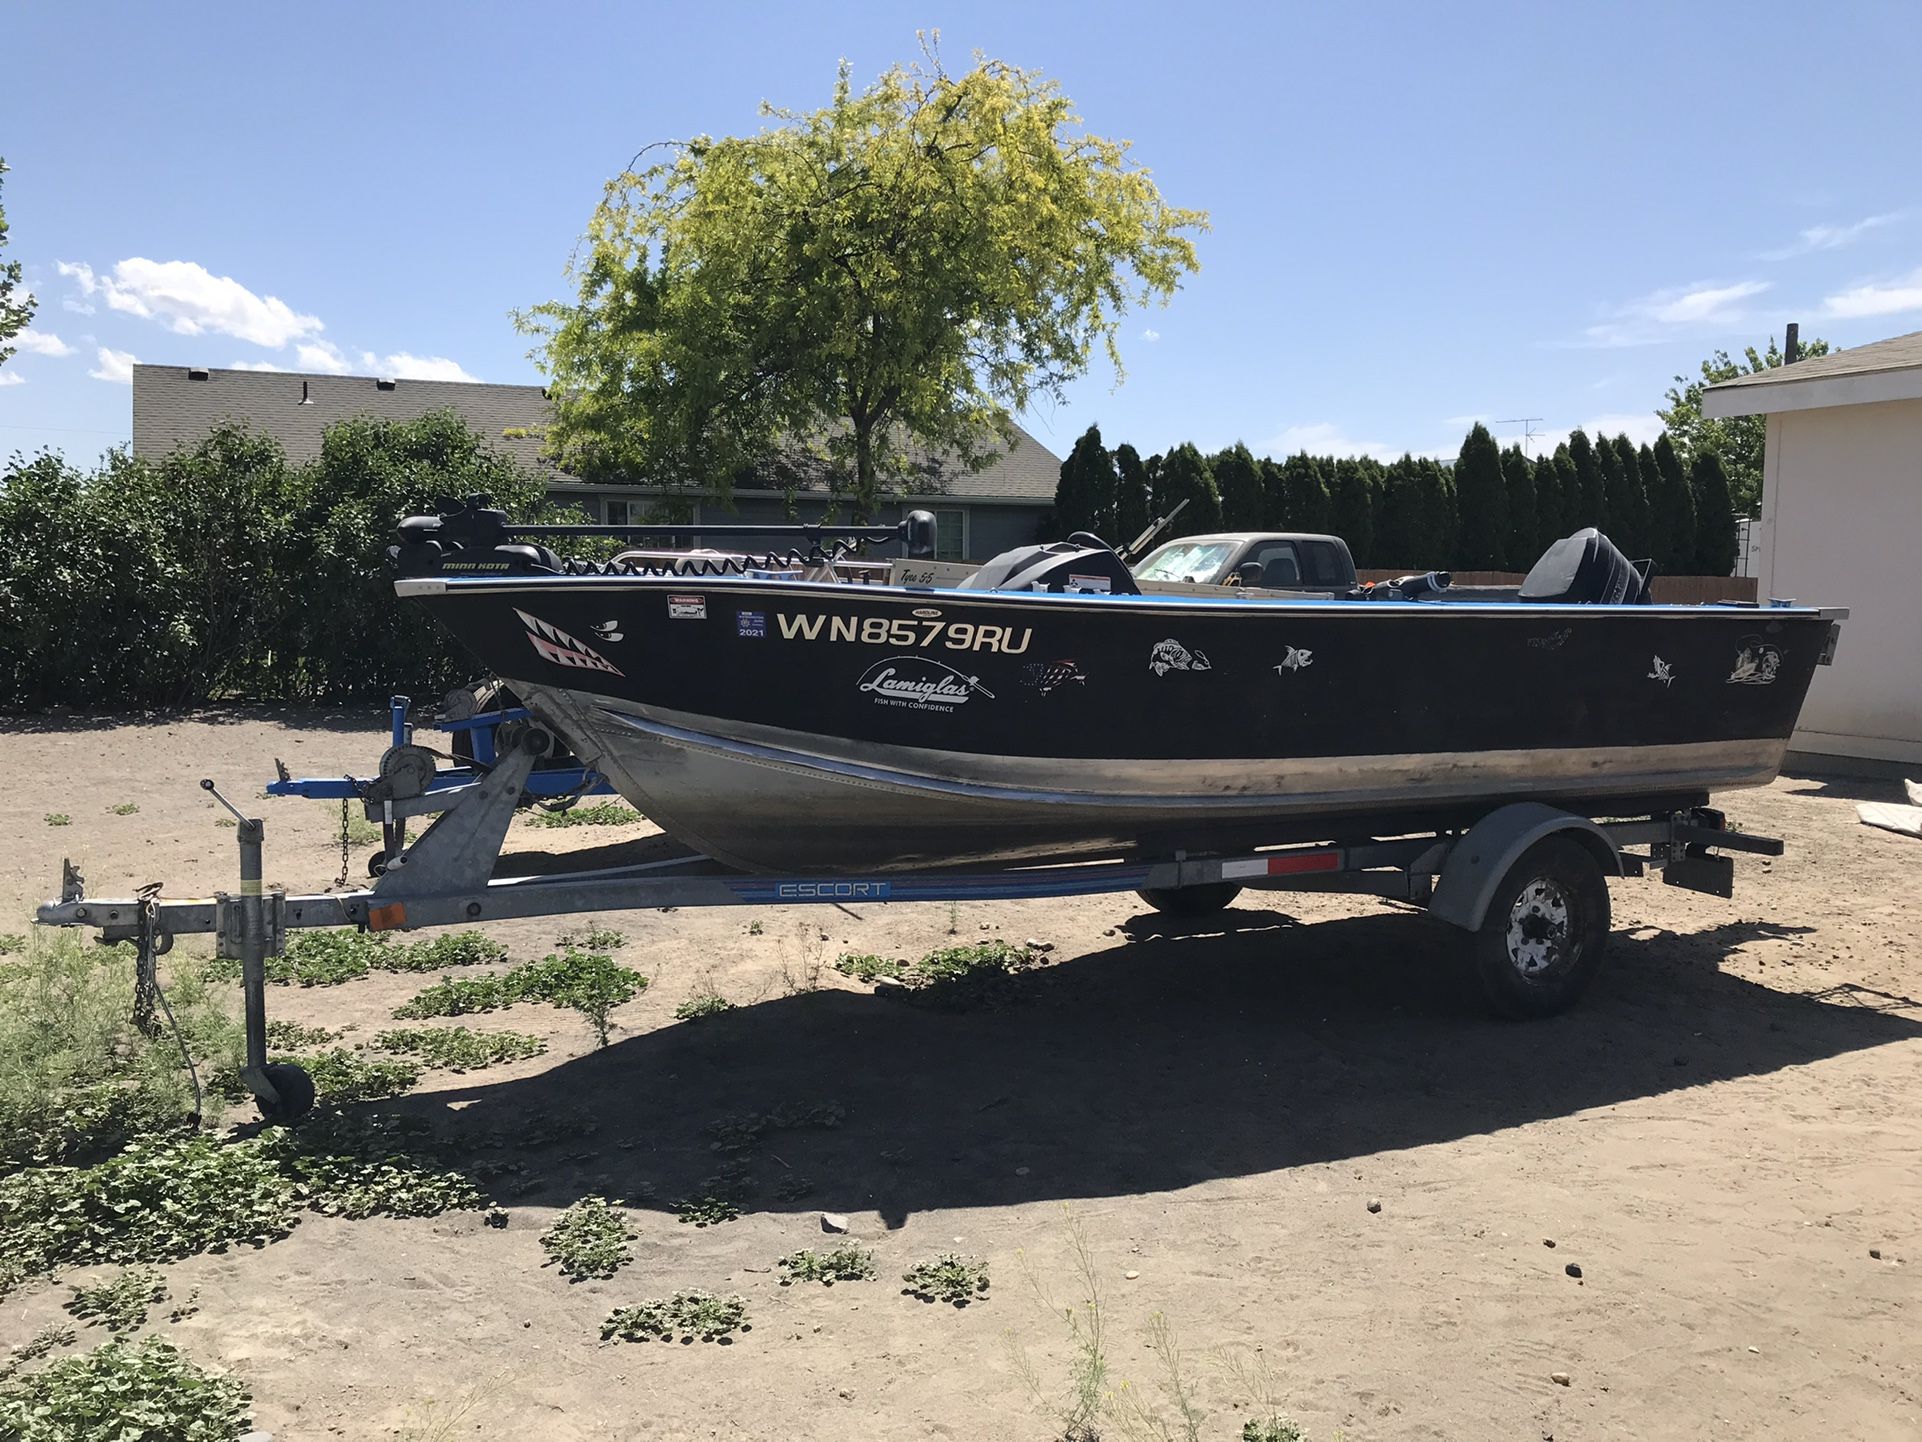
(1669, 590)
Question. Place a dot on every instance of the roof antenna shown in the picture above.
(1792, 344)
(305, 399)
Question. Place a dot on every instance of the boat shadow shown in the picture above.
(1152, 1065)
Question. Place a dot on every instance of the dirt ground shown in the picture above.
(1718, 1138)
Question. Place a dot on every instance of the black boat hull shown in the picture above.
(821, 728)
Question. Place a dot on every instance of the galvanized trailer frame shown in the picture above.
(445, 878)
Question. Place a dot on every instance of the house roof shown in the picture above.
(1883, 370)
(176, 406)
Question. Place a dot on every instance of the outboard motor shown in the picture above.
(1082, 563)
(1585, 569)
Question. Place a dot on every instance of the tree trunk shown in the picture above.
(863, 472)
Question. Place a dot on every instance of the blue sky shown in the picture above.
(1421, 213)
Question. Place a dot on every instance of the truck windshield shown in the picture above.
(1186, 561)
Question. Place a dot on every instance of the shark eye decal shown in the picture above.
(564, 650)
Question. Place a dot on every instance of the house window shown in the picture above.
(622, 513)
(951, 535)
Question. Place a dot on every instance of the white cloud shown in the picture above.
(402, 366)
(1891, 298)
(321, 355)
(189, 299)
(1324, 438)
(1832, 237)
(41, 342)
(12, 378)
(1657, 316)
(115, 366)
(1151, 334)
(243, 365)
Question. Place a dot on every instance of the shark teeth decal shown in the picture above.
(562, 649)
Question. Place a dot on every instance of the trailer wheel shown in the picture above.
(1202, 900)
(296, 1090)
(1542, 940)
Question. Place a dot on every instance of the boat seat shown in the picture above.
(1585, 569)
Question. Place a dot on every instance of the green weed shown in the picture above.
(1271, 1429)
(589, 983)
(706, 1002)
(289, 1035)
(1077, 1408)
(849, 1262)
(589, 1239)
(57, 818)
(77, 1079)
(125, 808)
(754, 928)
(47, 1340)
(130, 1391)
(605, 813)
(685, 1315)
(454, 1048)
(601, 938)
(870, 968)
(120, 1304)
(13, 943)
(947, 1278)
(967, 978)
(330, 958)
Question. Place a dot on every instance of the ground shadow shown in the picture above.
(1152, 1065)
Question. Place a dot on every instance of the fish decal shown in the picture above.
(1050, 676)
(1171, 655)
(1663, 672)
(1296, 660)
(557, 646)
(1756, 663)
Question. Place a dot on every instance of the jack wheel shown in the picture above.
(377, 864)
(1202, 900)
(296, 1090)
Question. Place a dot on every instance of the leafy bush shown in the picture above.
(77, 1079)
(603, 813)
(685, 1315)
(965, 978)
(329, 958)
(290, 1035)
(849, 1262)
(121, 1303)
(870, 968)
(947, 1278)
(224, 569)
(145, 1391)
(587, 982)
(455, 1048)
(589, 1239)
(702, 1003)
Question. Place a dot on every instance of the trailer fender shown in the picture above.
(1476, 864)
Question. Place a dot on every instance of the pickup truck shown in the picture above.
(1273, 560)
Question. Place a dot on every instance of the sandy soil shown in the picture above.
(1718, 1138)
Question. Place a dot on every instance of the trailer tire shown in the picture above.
(296, 1090)
(1202, 900)
(1542, 940)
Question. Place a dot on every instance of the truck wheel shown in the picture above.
(1547, 926)
(1191, 900)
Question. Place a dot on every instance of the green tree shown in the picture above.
(1715, 546)
(1131, 495)
(1672, 508)
(1550, 504)
(16, 303)
(1738, 440)
(901, 268)
(1398, 536)
(1305, 493)
(1587, 501)
(1084, 497)
(1183, 476)
(1483, 502)
(1351, 506)
(1439, 522)
(1518, 476)
(1627, 501)
(1238, 478)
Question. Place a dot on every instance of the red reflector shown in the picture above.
(1308, 861)
(390, 917)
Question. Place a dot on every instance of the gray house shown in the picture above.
(977, 514)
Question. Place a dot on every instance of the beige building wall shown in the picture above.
(1842, 518)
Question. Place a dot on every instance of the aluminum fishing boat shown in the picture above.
(778, 719)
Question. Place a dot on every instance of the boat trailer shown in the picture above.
(1526, 882)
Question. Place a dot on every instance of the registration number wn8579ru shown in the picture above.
(902, 632)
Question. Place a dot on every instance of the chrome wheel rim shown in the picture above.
(1541, 932)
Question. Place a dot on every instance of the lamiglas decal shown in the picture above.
(1756, 663)
(1047, 677)
(1171, 655)
(687, 608)
(1297, 659)
(920, 683)
(903, 631)
(1663, 672)
(562, 649)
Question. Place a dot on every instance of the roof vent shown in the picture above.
(305, 399)
(196, 373)
(383, 385)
